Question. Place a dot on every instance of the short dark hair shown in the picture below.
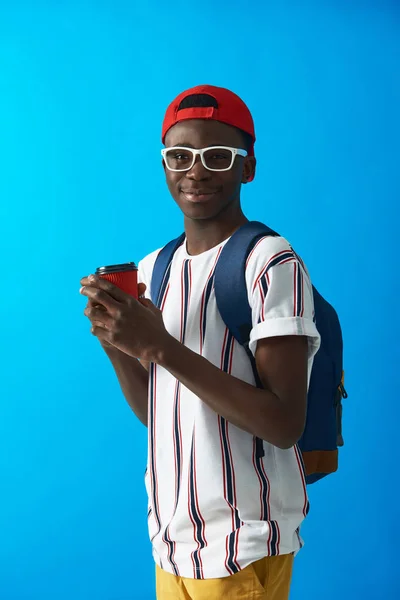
(207, 101)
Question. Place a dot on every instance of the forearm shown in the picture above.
(133, 379)
(257, 411)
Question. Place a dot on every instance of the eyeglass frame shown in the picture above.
(200, 152)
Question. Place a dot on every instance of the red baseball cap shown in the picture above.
(231, 110)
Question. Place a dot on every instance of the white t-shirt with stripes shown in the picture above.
(215, 503)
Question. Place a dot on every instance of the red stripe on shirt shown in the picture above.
(165, 298)
(182, 297)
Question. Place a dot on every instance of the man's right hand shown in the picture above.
(108, 347)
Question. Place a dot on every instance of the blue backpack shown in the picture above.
(322, 435)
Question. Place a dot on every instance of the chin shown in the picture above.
(201, 212)
(199, 217)
(205, 210)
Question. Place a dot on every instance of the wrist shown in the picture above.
(168, 347)
(110, 350)
(114, 354)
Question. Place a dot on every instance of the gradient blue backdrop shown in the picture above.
(83, 89)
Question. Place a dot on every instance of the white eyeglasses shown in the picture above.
(214, 158)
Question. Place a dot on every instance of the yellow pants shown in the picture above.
(266, 579)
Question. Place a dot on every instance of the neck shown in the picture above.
(202, 235)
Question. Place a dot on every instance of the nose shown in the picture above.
(198, 172)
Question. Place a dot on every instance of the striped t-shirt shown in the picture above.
(215, 505)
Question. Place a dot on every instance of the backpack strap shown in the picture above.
(161, 270)
(230, 279)
(230, 284)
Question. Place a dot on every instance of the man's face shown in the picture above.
(200, 193)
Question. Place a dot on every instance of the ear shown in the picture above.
(249, 169)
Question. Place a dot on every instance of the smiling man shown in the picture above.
(224, 517)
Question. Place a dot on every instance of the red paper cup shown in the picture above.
(123, 276)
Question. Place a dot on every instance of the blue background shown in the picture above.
(83, 89)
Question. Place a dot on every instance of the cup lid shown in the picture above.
(131, 266)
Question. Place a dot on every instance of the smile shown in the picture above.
(198, 196)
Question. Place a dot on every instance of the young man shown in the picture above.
(224, 518)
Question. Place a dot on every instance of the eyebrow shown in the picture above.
(187, 145)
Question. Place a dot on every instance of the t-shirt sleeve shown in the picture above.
(280, 294)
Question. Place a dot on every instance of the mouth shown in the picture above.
(198, 196)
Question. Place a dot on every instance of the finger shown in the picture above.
(93, 281)
(141, 289)
(88, 279)
(101, 333)
(92, 304)
(99, 316)
(98, 296)
(148, 304)
(100, 325)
